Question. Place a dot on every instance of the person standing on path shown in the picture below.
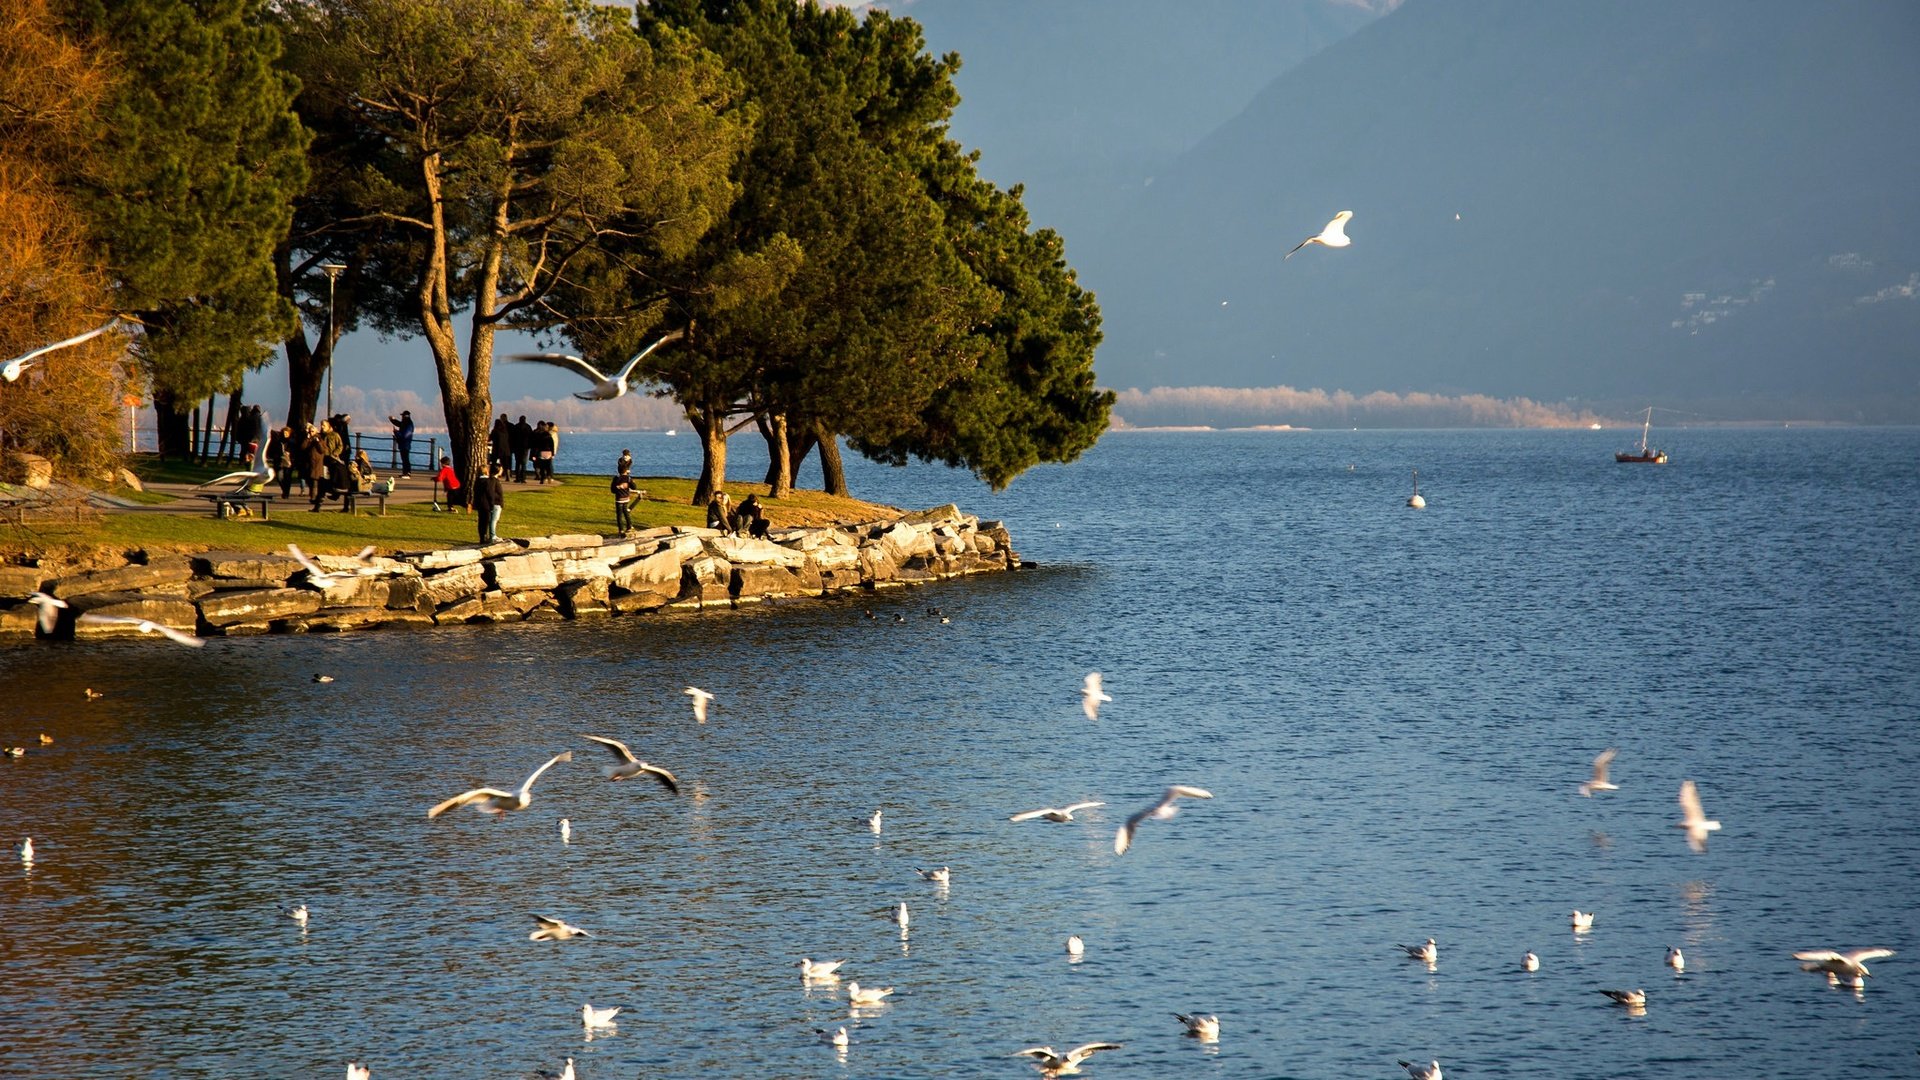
(543, 444)
(280, 454)
(522, 446)
(449, 481)
(489, 498)
(500, 441)
(403, 442)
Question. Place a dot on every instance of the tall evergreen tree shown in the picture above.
(506, 140)
(197, 160)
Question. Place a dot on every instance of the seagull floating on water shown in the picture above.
(1428, 953)
(591, 1017)
(92, 694)
(836, 1037)
(1599, 781)
(1842, 967)
(861, 997)
(820, 970)
(942, 876)
(145, 626)
(493, 800)
(16, 751)
(555, 930)
(1075, 946)
(631, 766)
(357, 1071)
(298, 914)
(26, 850)
(605, 387)
(1062, 813)
(700, 698)
(564, 1074)
(901, 916)
(1582, 920)
(1693, 818)
(1205, 1028)
(1159, 811)
(1333, 236)
(1091, 695)
(1529, 962)
(566, 830)
(874, 822)
(1429, 1071)
(1632, 999)
(1053, 1063)
(1675, 959)
(319, 678)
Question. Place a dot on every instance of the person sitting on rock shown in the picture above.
(751, 518)
(719, 513)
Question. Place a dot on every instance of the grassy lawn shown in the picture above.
(577, 504)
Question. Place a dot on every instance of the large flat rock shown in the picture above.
(165, 570)
(226, 607)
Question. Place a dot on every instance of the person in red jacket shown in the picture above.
(449, 481)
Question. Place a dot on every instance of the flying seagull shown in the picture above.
(49, 610)
(1051, 813)
(1159, 811)
(1847, 967)
(1693, 818)
(1053, 1063)
(1333, 236)
(1091, 696)
(555, 930)
(145, 626)
(631, 766)
(1599, 781)
(493, 800)
(700, 698)
(15, 367)
(605, 387)
(322, 579)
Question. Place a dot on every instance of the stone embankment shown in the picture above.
(545, 578)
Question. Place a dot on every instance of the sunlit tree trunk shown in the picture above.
(779, 459)
(834, 478)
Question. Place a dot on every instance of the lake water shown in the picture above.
(1392, 707)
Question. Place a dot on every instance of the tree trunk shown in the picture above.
(779, 461)
(172, 434)
(800, 442)
(306, 366)
(834, 478)
(710, 423)
(229, 446)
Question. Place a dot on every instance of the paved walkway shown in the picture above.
(418, 488)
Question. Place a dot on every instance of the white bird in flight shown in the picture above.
(1056, 813)
(820, 970)
(605, 387)
(1599, 780)
(1091, 695)
(1429, 1071)
(630, 766)
(555, 930)
(50, 608)
(15, 367)
(591, 1017)
(1428, 953)
(145, 626)
(1847, 967)
(1693, 818)
(1206, 1028)
(1159, 811)
(493, 800)
(863, 996)
(321, 579)
(700, 698)
(1053, 1063)
(1333, 236)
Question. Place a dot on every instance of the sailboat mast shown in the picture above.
(1645, 429)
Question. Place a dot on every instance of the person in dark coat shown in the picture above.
(246, 427)
(543, 447)
(403, 441)
(280, 456)
(751, 518)
(341, 422)
(489, 498)
(623, 493)
(313, 460)
(500, 441)
(720, 512)
(522, 448)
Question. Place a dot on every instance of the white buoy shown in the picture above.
(1417, 502)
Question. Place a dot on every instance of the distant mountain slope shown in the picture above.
(1084, 101)
(1715, 200)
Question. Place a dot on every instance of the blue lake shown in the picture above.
(1392, 707)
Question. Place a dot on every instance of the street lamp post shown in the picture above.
(334, 271)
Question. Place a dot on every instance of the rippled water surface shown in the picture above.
(1393, 709)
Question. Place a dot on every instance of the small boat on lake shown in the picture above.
(1645, 455)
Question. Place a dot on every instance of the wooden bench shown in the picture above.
(228, 503)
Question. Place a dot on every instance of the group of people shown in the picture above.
(513, 445)
(318, 458)
(747, 518)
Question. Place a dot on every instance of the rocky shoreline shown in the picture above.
(549, 578)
